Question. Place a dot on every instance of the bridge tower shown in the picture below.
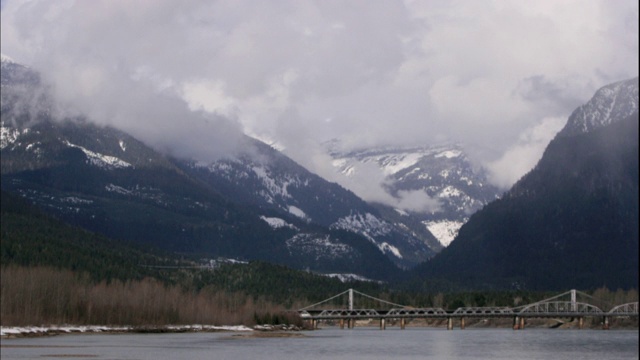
(350, 299)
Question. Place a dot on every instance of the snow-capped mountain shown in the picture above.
(6, 60)
(266, 179)
(443, 173)
(572, 221)
(256, 205)
(609, 104)
(15, 73)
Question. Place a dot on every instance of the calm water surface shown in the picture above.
(328, 343)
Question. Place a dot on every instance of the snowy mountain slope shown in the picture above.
(443, 173)
(273, 182)
(572, 221)
(258, 206)
(155, 203)
(6, 59)
(609, 104)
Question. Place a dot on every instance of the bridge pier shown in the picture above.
(462, 323)
(580, 322)
(605, 323)
(516, 323)
(403, 323)
(341, 323)
(383, 324)
(351, 323)
(449, 323)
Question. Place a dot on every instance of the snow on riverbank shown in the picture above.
(11, 331)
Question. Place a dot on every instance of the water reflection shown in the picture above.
(332, 343)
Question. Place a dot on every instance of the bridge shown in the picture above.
(571, 304)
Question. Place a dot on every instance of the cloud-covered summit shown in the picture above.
(499, 77)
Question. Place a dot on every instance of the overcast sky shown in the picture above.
(499, 77)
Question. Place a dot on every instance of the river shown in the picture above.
(333, 343)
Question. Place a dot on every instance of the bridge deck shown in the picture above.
(555, 307)
(417, 314)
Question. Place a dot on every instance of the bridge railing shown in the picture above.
(354, 313)
(416, 312)
(482, 311)
(626, 309)
(561, 307)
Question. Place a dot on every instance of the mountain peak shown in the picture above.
(610, 103)
(6, 59)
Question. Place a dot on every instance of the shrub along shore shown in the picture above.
(36, 300)
(38, 295)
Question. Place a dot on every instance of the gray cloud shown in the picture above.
(191, 77)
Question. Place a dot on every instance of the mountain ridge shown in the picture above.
(441, 176)
(107, 181)
(571, 222)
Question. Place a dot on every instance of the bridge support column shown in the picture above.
(580, 322)
(462, 323)
(403, 323)
(341, 323)
(605, 323)
(383, 324)
(516, 323)
(521, 327)
(449, 323)
(351, 323)
(314, 324)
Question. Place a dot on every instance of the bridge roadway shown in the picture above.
(549, 308)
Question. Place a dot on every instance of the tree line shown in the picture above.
(43, 296)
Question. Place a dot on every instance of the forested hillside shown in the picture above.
(572, 222)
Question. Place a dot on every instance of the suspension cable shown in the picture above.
(561, 295)
(380, 300)
(355, 291)
(324, 301)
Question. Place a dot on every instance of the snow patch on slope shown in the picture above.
(444, 230)
(317, 246)
(449, 154)
(9, 135)
(101, 160)
(117, 189)
(277, 223)
(365, 224)
(297, 212)
(369, 226)
(270, 183)
(388, 248)
(348, 277)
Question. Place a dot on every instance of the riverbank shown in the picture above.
(271, 330)
(35, 331)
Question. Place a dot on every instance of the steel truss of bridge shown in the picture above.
(554, 307)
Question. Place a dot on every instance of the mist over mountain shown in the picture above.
(256, 205)
(266, 179)
(436, 185)
(572, 221)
